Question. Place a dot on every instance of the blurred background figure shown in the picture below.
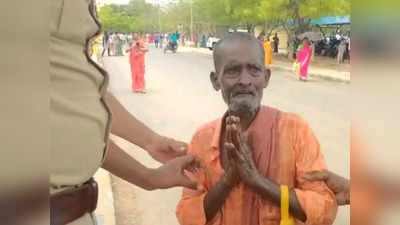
(106, 44)
(118, 45)
(276, 43)
(341, 51)
(137, 62)
(157, 39)
(268, 52)
(304, 58)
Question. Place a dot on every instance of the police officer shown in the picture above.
(80, 119)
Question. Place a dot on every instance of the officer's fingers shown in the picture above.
(184, 162)
(317, 176)
(194, 166)
(342, 199)
(178, 147)
(186, 182)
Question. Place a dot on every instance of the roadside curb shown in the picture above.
(343, 77)
(339, 76)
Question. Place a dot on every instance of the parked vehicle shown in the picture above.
(211, 42)
(171, 46)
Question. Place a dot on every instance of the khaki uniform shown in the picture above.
(79, 117)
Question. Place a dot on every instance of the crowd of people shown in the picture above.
(302, 56)
(117, 44)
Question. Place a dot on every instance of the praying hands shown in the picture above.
(241, 166)
(239, 153)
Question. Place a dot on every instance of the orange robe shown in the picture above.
(284, 149)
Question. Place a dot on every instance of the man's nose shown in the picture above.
(245, 78)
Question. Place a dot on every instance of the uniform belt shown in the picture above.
(69, 205)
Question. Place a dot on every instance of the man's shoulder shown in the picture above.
(292, 120)
(208, 127)
(288, 117)
(204, 138)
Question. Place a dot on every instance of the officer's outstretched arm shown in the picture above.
(126, 126)
(171, 174)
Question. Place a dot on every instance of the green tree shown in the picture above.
(113, 18)
(294, 15)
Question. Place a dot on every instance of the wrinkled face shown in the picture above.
(241, 76)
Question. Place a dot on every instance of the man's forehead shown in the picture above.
(238, 53)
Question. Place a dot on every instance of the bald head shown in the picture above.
(231, 40)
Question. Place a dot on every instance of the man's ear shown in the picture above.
(267, 75)
(214, 81)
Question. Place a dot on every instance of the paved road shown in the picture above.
(180, 98)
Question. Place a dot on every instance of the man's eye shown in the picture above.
(254, 69)
(231, 71)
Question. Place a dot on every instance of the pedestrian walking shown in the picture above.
(161, 40)
(157, 39)
(196, 41)
(137, 61)
(312, 50)
(106, 44)
(276, 43)
(183, 39)
(304, 58)
(341, 51)
(203, 42)
(118, 45)
(268, 52)
(112, 44)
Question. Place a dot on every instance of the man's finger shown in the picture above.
(317, 176)
(230, 148)
(228, 120)
(235, 136)
(229, 133)
(233, 151)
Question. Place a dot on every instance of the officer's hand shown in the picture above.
(172, 173)
(339, 185)
(165, 149)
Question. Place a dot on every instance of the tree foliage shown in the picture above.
(295, 15)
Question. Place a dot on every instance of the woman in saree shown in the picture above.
(303, 58)
(268, 52)
(137, 61)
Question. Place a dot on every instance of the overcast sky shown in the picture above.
(114, 1)
(126, 1)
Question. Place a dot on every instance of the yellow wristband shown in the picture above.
(286, 219)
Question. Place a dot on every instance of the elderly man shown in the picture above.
(252, 151)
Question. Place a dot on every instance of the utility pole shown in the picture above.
(191, 20)
(159, 19)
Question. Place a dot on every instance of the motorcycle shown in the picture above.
(171, 47)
